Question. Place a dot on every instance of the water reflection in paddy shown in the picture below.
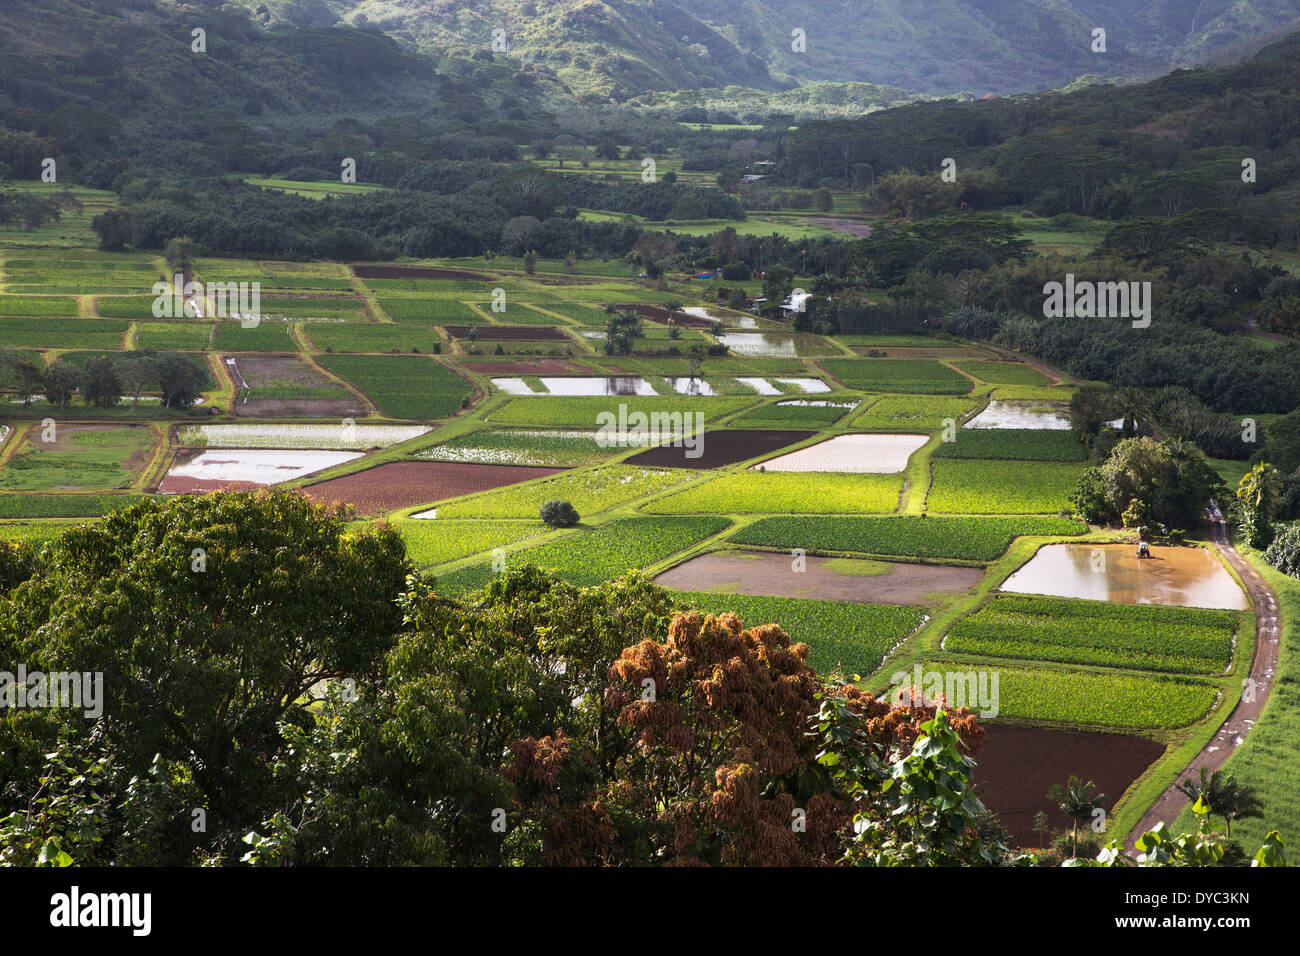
(765, 344)
(1188, 577)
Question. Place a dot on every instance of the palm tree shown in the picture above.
(1223, 795)
(1130, 400)
(1077, 801)
(1257, 495)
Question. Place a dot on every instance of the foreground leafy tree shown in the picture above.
(500, 734)
(1204, 847)
(1284, 552)
(1223, 796)
(1168, 482)
(211, 619)
(1078, 801)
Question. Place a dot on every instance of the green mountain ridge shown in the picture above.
(623, 48)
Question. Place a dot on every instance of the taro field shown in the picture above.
(414, 355)
(600, 554)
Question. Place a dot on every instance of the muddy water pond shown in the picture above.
(1021, 415)
(1188, 577)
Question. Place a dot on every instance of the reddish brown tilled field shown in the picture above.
(725, 447)
(414, 272)
(403, 484)
(1018, 764)
(509, 333)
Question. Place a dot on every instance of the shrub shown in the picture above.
(1284, 552)
(559, 514)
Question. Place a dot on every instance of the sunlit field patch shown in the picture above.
(1024, 444)
(589, 491)
(898, 375)
(600, 554)
(848, 637)
(1131, 636)
(522, 447)
(752, 492)
(957, 538)
(1001, 487)
(912, 413)
(402, 386)
(1137, 701)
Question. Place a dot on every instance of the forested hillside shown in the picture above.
(621, 48)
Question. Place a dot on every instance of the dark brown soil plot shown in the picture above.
(509, 333)
(402, 484)
(1018, 764)
(719, 448)
(412, 272)
(538, 367)
(770, 573)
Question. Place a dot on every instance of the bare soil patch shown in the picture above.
(509, 333)
(1018, 764)
(719, 448)
(402, 484)
(772, 574)
(287, 371)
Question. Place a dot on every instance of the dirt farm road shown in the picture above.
(1239, 723)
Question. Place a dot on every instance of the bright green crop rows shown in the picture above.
(269, 335)
(62, 333)
(64, 506)
(752, 492)
(588, 491)
(600, 554)
(1001, 487)
(1029, 444)
(1003, 373)
(898, 375)
(967, 539)
(34, 532)
(429, 310)
(37, 305)
(506, 446)
(811, 412)
(403, 386)
(173, 336)
(1105, 633)
(584, 411)
(1103, 700)
(373, 337)
(438, 541)
(851, 637)
(912, 413)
